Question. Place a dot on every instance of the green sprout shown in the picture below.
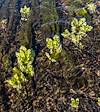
(24, 70)
(54, 47)
(25, 12)
(78, 31)
(81, 12)
(75, 103)
(91, 7)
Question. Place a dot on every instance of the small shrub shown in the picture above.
(17, 79)
(78, 31)
(25, 58)
(54, 47)
(24, 70)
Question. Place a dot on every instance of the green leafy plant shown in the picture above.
(54, 47)
(78, 31)
(24, 70)
(25, 12)
(75, 103)
(81, 12)
(25, 58)
(91, 7)
(17, 79)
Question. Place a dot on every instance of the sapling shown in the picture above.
(54, 47)
(79, 28)
(24, 70)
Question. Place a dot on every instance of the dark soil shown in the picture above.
(75, 75)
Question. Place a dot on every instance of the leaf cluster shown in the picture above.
(24, 70)
(54, 47)
(78, 30)
(91, 7)
(25, 12)
(74, 102)
(25, 58)
(17, 79)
